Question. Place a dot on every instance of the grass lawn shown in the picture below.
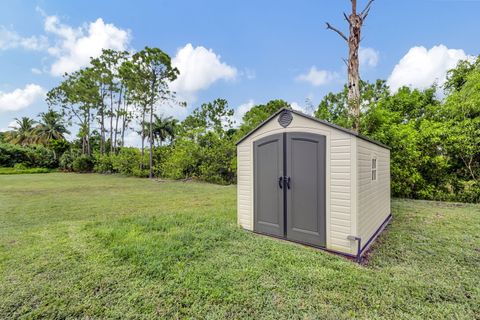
(93, 246)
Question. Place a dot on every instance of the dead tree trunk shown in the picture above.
(355, 22)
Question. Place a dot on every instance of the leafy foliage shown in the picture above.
(23, 170)
(258, 114)
(29, 156)
(435, 144)
(67, 159)
(50, 127)
(204, 147)
(83, 163)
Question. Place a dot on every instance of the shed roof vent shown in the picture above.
(285, 118)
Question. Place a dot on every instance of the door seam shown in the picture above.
(284, 185)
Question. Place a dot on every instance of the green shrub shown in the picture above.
(83, 163)
(29, 156)
(160, 156)
(209, 159)
(11, 154)
(67, 158)
(470, 192)
(103, 163)
(183, 161)
(127, 162)
(42, 157)
(217, 155)
(19, 170)
(19, 166)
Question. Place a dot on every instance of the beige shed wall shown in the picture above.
(373, 197)
(341, 180)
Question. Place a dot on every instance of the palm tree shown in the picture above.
(50, 127)
(23, 131)
(164, 128)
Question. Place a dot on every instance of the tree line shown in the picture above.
(116, 89)
(435, 142)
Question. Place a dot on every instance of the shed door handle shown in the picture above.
(280, 182)
(288, 182)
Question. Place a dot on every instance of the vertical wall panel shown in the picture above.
(373, 196)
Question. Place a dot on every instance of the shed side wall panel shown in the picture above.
(373, 196)
(244, 187)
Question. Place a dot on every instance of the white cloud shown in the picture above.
(133, 139)
(199, 69)
(298, 107)
(420, 67)
(36, 71)
(318, 77)
(20, 98)
(10, 126)
(75, 46)
(368, 57)
(175, 111)
(241, 110)
(10, 39)
(13, 124)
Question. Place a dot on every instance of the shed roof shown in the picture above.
(353, 133)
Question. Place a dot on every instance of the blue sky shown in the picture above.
(244, 51)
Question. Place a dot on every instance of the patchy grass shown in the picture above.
(8, 170)
(92, 246)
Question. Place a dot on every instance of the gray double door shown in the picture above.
(289, 187)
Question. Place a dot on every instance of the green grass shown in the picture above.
(92, 246)
(8, 170)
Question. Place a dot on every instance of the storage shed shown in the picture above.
(309, 181)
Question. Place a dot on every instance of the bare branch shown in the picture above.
(340, 33)
(365, 11)
(363, 17)
(346, 18)
(345, 61)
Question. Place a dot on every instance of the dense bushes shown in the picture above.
(29, 156)
(22, 170)
(126, 162)
(210, 158)
(67, 158)
(83, 163)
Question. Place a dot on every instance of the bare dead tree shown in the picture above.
(355, 22)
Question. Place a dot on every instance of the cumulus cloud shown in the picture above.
(36, 71)
(11, 125)
(10, 39)
(422, 67)
(75, 46)
(317, 77)
(368, 57)
(298, 107)
(20, 98)
(199, 68)
(241, 110)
